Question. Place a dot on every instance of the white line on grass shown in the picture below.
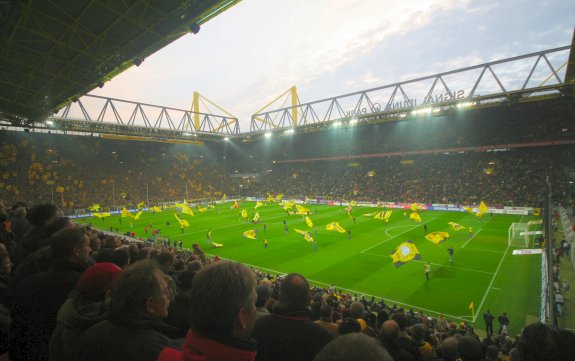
(490, 283)
(470, 238)
(389, 239)
(495, 288)
(484, 250)
(461, 268)
(389, 229)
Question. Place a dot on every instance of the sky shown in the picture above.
(247, 56)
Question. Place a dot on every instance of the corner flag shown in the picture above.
(472, 308)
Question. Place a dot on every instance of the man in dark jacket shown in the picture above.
(85, 307)
(38, 298)
(288, 333)
(139, 301)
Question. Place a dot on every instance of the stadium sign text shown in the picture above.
(407, 103)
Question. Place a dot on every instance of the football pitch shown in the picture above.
(483, 271)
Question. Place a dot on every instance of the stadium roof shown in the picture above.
(52, 52)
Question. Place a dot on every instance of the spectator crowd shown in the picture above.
(69, 292)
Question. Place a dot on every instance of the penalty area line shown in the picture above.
(389, 239)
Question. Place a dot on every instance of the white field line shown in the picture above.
(484, 250)
(461, 268)
(389, 239)
(438, 264)
(490, 284)
(470, 238)
(387, 300)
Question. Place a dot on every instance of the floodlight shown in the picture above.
(49, 122)
(268, 135)
(353, 121)
(289, 131)
(227, 139)
(337, 124)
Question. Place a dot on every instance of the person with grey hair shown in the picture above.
(222, 315)
(288, 333)
(353, 346)
(139, 301)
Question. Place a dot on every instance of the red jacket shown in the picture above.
(199, 348)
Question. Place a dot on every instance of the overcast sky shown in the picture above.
(247, 56)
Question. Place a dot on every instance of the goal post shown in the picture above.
(524, 234)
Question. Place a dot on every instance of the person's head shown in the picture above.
(541, 342)
(389, 330)
(418, 332)
(349, 325)
(448, 349)
(70, 243)
(121, 257)
(97, 280)
(112, 242)
(355, 346)
(141, 292)
(57, 223)
(401, 319)
(357, 309)
(469, 348)
(223, 300)
(326, 313)
(264, 293)
(40, 214)
(294, 291)
(165, 260)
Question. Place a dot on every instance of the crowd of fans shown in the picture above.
(455, 158)
(69, 292)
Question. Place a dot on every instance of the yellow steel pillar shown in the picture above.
(294, 103)
(196, 110)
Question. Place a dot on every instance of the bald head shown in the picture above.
(294, 290)
(390, 330)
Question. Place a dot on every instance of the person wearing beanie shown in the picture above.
(85, 307)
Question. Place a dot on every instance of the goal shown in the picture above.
(524, 234)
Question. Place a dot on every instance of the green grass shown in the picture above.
(484, 270)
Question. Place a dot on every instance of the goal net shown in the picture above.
(524, 234)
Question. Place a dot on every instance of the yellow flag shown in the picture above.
(101, 215)
(306, 235)
(415, 217)
(217, 245)
(455, 226)
(256, 218)
(156, 209)
(244, 213)
(126, 213)
(334, 226)
(288, 205)
(308, 222)
(301, 209)
(437, 237)
(250, 234)
(183, 222)
(469, 210)
(404, 253)
(202, 209)
(224, 197)
(187, 210)
(95, 207)
(258, 204)
(482, 209)
(141, 205)
(353, 203)
(138, 215)
(414, 207)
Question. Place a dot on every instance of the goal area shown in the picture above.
(524, 234)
